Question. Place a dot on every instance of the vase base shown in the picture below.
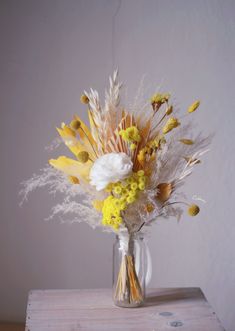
(124, 304)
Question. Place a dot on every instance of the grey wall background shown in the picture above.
(51, 51)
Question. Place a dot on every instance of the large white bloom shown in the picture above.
(110, 168)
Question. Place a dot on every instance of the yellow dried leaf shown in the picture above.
(187, 141)
(194, 106)
(72, 167)
(98, 204)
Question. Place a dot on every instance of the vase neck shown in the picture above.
(127, 241)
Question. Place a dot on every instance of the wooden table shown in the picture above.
(183, 309)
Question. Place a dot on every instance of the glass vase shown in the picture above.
(129, 270)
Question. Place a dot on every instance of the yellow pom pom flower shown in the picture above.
(141, 186)
(140, 173)
(117, 190)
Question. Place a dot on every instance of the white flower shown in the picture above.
(110, 168)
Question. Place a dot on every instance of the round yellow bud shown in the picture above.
(75, 124)
(83, 156)
(133, 147)
(193, 210)
(84, 99)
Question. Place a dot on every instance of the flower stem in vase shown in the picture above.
(128, 291)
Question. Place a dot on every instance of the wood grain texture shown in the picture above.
(8, 326)
(183, 309)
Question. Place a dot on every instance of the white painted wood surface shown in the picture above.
(183, 309)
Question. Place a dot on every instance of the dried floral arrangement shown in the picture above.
(128, 167)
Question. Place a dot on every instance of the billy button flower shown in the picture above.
(83, 156)
(84, 99)
(75, 125)
(193, 210)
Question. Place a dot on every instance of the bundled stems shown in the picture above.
(128, 291)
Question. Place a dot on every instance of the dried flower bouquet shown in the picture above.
(129, 166)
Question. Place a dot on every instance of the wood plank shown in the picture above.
(8, 326)
(93, 310)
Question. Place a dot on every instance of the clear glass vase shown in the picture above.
(129, 270)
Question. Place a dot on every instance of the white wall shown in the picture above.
(51, 51)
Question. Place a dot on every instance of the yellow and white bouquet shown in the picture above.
(128, 166)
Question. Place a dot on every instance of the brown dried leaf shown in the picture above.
(164, 191)
(190, 160)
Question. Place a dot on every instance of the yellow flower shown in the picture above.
(83, 156)
(160, 98)
(170, 125)
(117, 189)
(134, 186)
(194, 106)
(193, 210)
(73, 180)
(141, 156)
(130, 135)
(141, 186)
(130, 199)
(133, 147)
(84, 99)
(140, 173)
